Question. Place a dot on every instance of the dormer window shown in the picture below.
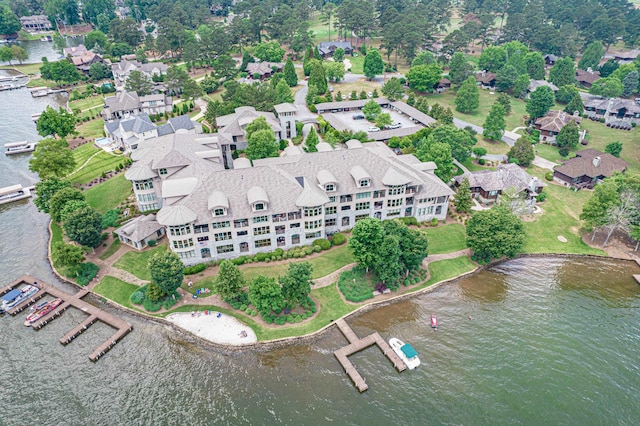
(162, 172)
(258, 207)
(364, 183)
(219, 212)
(330, 187)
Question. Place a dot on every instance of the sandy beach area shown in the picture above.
(221, 329)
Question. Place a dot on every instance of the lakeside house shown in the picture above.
(127, 133)
(554, 121)
(82, 58)
(588, 168)
(35, 23)
(128, 104)
(212, 212)
(327, 48)
(487, 185)
(617, 113)
(139, 231)
(121, 70)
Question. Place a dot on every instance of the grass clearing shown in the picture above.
(91, 129)
(492, 147)
(361, 85)
(102, 162)
(117, 290)
(446, 238)
(108, 195)
(115, 245)
(86, 103)
(24, 68)
(137, 262)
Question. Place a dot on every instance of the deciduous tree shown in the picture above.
(494, 233)
(58, 123)
(569, 136)
(495, 123)
(45, 190)
(591, 56)
(265, 294)
(69, 255)
(492, 59)
(296, 284)
(462, 201)
(459, 68)
(52, 158)
(373, 64)
(371, 110)
(522, 151)
(229, 282)
(424, 77)
(609, 87)
(60, 199)
(167, 271)
(262, 144)
(84, 226)
(367, 236)
(534, 63)
(563, 72)
(614, 148)
(383, 120)
(540, 102)
(393, 89)
(468, 96)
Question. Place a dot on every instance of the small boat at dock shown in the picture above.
(42, 310)
(15, 297)
(19, 147)
(12, 193)
(406, 352)
(434, 322)
(34, 117)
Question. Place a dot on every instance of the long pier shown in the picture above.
(95, 314)
(356, 345)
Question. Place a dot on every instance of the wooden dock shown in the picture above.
(95, 314)
(356, 345)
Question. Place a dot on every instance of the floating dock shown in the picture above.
(356, 345)
(95, 314)
(13, 193)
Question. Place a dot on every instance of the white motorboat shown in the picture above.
(406, 352)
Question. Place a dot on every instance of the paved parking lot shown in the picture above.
(357, 125)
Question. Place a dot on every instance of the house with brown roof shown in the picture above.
(617, 113)
(551, 124)
(588, 168)
(327, 48)
(486, 80)
(626, 57)
(82, 58)
(442, 85)
(487, 185)
(586, 78)
(262, 70)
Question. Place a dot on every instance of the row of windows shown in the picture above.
(396, 190)
(143, 185)
(223, 236)
(312, 211)
(186, 254)
(180, 230)
(262, 230)
(361, 195)
(330, 210)
(313, 224)
(180, 244)
(394, 203)
(148, 207)
(363, 206)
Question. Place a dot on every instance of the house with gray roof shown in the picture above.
(139, 231)
(552, 122)
(357, 104)
(121, 70)
(284, 202)
(617, 113)
(588, 168)
(262, 70)
(127, 104)
(128, 132)
(488, 185)
(327, 48)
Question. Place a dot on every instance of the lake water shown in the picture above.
(552, 341)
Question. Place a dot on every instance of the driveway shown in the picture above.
(544, 163)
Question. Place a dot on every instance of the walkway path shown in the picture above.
(332, 277)
(445, 256)
(544, 163)
(461, 166)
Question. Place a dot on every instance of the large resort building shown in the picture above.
(210, 212)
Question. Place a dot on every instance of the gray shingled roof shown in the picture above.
(507, 175)
(325, 106)
(584, 164)
(417, 115)
(139, 228)
(123, 101)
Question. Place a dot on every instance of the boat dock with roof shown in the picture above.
(356, 345)
(75, 301)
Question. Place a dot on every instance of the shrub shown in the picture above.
(481, 161)
(409, 220)
(136, 297)
(248, 311)
(238, 260)
(323, 243)
(338, 239)
(542, 196)
(86, 272)
(434, 222)
(308, 250)
(151, 306)
(564, 151)
(261, 257)
(110, 218)
(194, 269)
(152, 243)
(243, 307)
(549, 176)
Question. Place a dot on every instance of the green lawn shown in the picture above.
(136, 262)
(25, 68)
(492, 147)
(561, 217)
(322, 265)
(91, 129)
(102, 162)
(474, 167)
(117, 290)
(86, 103)
(108, 195)
(115, 245)
(446, 238)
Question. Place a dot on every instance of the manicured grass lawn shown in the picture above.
(561, 217)
(474, 167)
(90, 102)
(492, 147)
(136, 262)
(115, 245)
(40, 82)
(358, 86)
(322, 265)
(446, 269)
(25, 68)
(551, 153)
(100, 163)
(91, 129)
(446, 238)
(117, 290)
(108, 195)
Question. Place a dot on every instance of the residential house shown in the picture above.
(139, 231)
(534, 84)
(550, 59)
(284, 202)
(127, 133)
(442, 85)
(586, 78)
(122, 69)
(588, 168)
(327, 48)
(551, 124)
(263, 70)
(128, 104)
(82, 58)
(617, 113)
(35, 23)
(486, 80)
(487, 185)
(626, 57)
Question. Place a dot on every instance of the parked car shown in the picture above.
(358, 116)
(373, 129)
(395, 125)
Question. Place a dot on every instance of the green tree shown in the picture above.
(92, 9)
(492, 59)
(373, 64)
(296, 284)
(630, 84)
(534, 63)
(614, 148)
(383, 119)
(575, 104)
(9, 22)
(338, 54)
(311, 141)
(569, 136)
(439, 153)
(328, 12)
(99, 71)
(70, 207)
(505, 101)
(52, 159)
(459, 140)
(5, 54)
(66, 10)
(290, 75)
(563, 72)
(424, 77)
(62, 72)
(566, 93)
(262, 144)
(139, 83)
(269, 51)
(69, 255)
(468, 96)
(608, 68)
(167, 271)
(317, 78)
(459, 68)
(283, 93)
(522, 151)
(60, 199)
(495, 124)
(371, 110)
(19, 53)
(334, 71)
(423, 58)
(609, 87)
(462, 201)
(96, 37)
(366, 238)
(387, 264)
(84, 226)
(45, 190)
(506, 78)
(540, 102)
(393, 89)
(521, 86)
(58, 123)
(229, 282)
(591, 56)
(494, 233)
(265, 294)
